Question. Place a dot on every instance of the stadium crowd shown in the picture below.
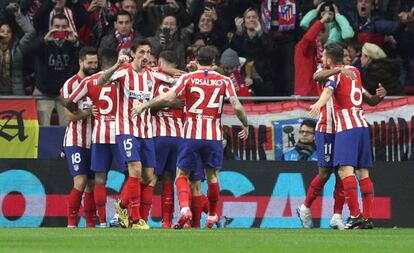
(268, 47)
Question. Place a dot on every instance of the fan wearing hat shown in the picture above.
(243, 75)
(377, 68)
(340, 28)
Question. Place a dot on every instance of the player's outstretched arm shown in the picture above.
(373, 100)
(323, 99)
(241, 115)
(105, 77)
(160, 101)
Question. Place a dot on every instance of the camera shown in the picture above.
(60, 35)
(160, 2)
(167, 36)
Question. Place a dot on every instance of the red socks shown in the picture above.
(167, 203)
(367, 191)
(196, 209)
(339, 196)
(314, 191)
(134, 197)
(90, 210)
(183, 191)
(100, 201)
(205, 204)
(74, 202)
(213, 193)
(146, 200)
(124, 194)
(351, 195)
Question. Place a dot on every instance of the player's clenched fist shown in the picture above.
(123, 59)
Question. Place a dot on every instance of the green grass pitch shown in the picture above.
(212, 241)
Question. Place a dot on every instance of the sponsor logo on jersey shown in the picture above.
(140, 95)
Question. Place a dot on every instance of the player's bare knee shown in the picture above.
(211, 175)
(345, 171)
(362, 173)
(182, 173)
(79, 182)
(324, 173)
(100, 178)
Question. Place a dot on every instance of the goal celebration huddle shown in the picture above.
(160, 124)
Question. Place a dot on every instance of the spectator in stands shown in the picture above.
(244, 76)
(354, 48)
(212, 34)
(370, 26)
(339, 27)
(55, 62)
(122, 38)
(153, 13)
(72, 9)
(308, 55)
(305, 148)
(253, 44)
(197, 41)
(167, 38)
(380, 69)
(139, 18)
(101, 13)
(12, 50)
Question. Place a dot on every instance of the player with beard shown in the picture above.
(135, 83)
(104, 147)
(77, 142)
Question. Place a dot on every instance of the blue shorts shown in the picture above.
(166, 152)
(134, 149)
(324, 149)
(210, 154)
(79, 161)
(353, 148)
(103, 155)
(198, 174)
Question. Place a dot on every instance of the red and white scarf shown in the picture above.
(285, 13)
(124, 42)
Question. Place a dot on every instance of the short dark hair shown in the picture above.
(169, 55)
(309, 123)
(108, 57)
(354, 43)
(335, 52)
(123, 13)
(140, 42)
(87, 50)
(206, 55)
(59, 16)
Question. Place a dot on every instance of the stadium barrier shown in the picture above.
(33, 193)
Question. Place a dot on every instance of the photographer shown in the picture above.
(12, 51)
(55, 62)
(167, 39)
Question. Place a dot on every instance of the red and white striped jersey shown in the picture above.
(326, 122)
(104, 98)
(135, 88)
(348, 101)
(204, 93)
(166, 121)
(78, 133)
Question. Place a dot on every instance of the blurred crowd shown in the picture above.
(268, 47)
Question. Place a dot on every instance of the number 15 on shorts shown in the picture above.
(128, 146)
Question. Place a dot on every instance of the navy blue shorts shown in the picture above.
(103, 155)
(166, 152)
(210, 154)
(353, 148)
(325, 149)
(134, 149)
(79, 161)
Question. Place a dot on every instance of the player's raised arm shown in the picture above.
(106, 77)
(322, 75)
(241, 115)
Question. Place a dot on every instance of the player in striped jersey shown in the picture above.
(325, 142)
(204, 91)
(104, 147)
(77, 142)
(135, 83)
(352, 133)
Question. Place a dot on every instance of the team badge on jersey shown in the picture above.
(327, 158)
(76, 167)
(128, 153)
